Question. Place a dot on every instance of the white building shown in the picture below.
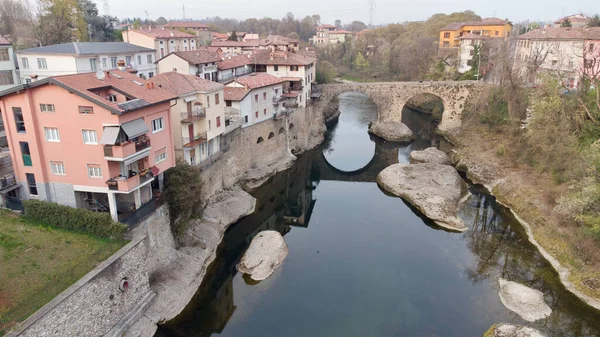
(164, 41)
(469, 42)
(255, 98)
(83, 57)
(197, 62)
(231, 67)
(8, 74)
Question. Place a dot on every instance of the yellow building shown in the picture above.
(490, 27)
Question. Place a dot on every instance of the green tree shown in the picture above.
(594, 21)
(137, 23)
(360, 62)
(566, 23)
(161, 21)
(100, 27)
(232, 37)
(357, 26)
(61, 21)
(326, 72)
(183, 194)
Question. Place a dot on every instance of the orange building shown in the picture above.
(95, 141)
(490, 27)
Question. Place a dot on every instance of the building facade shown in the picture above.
(197, 117)
(255, 98)
(321, 39)
(164, 41)
(467, 50)
(83, 57)
(198, 63)
(8, 73)
(201, 30)
(232, 67)
(89, 141)
(490, 27)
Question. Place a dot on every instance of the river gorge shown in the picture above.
(364, 263)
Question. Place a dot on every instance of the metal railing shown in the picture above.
(142, 144)
(8, 180)
(198, 136)
(197, 112)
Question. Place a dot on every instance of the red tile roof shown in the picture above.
(233, 62)
(235, 94)
(197, 56)
(163, 33)
(4, 41)
(123, 81)
(563, 33)
(179, 24)
(211, 49)
(341, 32)
(181, 84)
(578, 19)
(219, 36)
(251, 43)
(258, 80)
(281, 58)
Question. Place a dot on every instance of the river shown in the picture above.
(364, 263)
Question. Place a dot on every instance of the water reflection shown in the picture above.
(361, 263)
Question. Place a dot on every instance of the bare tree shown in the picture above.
(590, 74)
(539, 53)
(16, 21)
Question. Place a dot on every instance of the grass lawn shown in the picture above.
(38, 262)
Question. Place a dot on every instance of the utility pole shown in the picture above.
(105, 7)
(184, 12)
(371, 11)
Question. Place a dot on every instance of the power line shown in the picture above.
(371, 11)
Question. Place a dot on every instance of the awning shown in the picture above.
(135, 128)
(136, 157)
(189, 98)
(109, 135)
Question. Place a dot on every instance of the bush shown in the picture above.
(183, 194)
(73, 219)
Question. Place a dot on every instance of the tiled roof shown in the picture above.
(484, 22)
(578, 18)
(235, 94)
(198, 56)
(179, 24)
(233, 62)
(181, 84)
(279, 38)
(210, 49)
(563, 33)
(258, 80)
(87, 48)
(4, 41)
(219, 36)
(84, 84)
(251, 43)
(294, 59)
(326, 26)
(163, 33)
(340, 32)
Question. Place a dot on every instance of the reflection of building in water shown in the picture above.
(300, 202)
(223, 306)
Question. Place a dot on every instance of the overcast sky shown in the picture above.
(386, 11)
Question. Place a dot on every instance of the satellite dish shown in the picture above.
(100, 75)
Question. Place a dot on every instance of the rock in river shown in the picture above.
(430, 155)
(392, 131)
(266, 252)
(435, 190)
(509, 330)
(524, 301)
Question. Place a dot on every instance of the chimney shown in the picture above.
(151, 85)
(121, 65)
(107, 74)
(148, 85)
(172, 34)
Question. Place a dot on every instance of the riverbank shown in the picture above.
(531, 196)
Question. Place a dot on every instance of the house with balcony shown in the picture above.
(84, 57)
(95, 141)
(197, 116)
(163, 41)
(201, 30)
(8, 73)
(255, 98)
(321, 39)
(231, 67)
(199, 63)
(489, 27)
(297, 69)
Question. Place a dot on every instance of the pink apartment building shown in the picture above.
(95, 141)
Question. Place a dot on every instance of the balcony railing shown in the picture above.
(277, 99)
(7, 181)
(126, 184)
(191, 116)
(199, 138)
(126, 149)
(232, 112)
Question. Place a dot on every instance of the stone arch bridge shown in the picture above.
(390, 97)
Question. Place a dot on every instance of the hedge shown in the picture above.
(74, 219)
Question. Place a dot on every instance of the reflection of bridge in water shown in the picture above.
(386, 154)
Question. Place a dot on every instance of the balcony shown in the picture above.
(126, 149)
(194, 115)
(232, 125)
(198, 139)
(126, 184)
(7, 182)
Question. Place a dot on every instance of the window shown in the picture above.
(446, 44)
(31, 183)
(94, 171)
(589, 63)
(158, 125)
(113, 62)
(256, 114)
(472, 52)
(139, 58)
(89, 137)
(160, 155)
(172, 41)
(554, 62)
(591, 47)
(276, 68)
(446, 35)
(209, 125)
(42, 64)
(293, 68)
(104, 62)
(57, 168)
(228, 103)
(6, 78)
(149, 58)
(219, 121)
(571, 64)
(264, 96)
(47, 107)
(19, 121)
(112, 97)
(25, 153)
(86, 110)
(128, 61)
(256, 98)
(25, 62)
(496, 33)
(217, 99)
(52, 134)
(150, 74)
(265, 112)
(246, 119)
(4, 55)
(208, 101)
(276, 91)
(94, 64)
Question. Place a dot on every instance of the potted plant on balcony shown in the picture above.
(112, 184)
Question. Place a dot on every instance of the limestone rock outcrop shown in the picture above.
(524, 301)
(391, 131)
(430, 155)
(509, 330)
(435, 190)
(265, 254)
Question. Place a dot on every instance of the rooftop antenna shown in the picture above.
(147, 18)
(106, 7)
(183, 12)
(371, 11)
